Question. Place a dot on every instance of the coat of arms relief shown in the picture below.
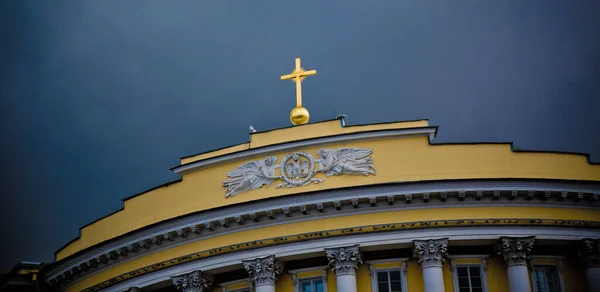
(298, 169)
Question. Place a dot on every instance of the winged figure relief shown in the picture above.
(250, 176)
(353, 161)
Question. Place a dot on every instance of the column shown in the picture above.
(196, 281)
(590, 253)
(264, 272)
(430, 254)
(344, 261)
(515, 251)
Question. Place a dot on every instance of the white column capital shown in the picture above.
(264, 271)
(344, 260)
(430, 252)
(589, 251)
(196, 281)
(515, 250)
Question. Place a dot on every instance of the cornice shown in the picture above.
(342, 138)
(318, 206)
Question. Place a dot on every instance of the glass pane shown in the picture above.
(305, 286)
(395, 287)
(383, 287)
(319, 286)
(477, 290)
(382, 276)
(462, 271)
(394, 275)
(463, 282)
(475, 282)
(474, 271)
(465, 289)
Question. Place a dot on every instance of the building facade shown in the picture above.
(330, 207)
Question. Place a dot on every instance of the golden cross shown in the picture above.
(298, 76)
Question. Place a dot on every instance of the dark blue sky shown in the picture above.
(100, 98)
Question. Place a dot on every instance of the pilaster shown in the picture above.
(589, 252)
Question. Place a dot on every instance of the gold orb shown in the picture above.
(299, 115)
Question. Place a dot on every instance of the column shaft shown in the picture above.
(518, 279)
(265, 288)
(344, 261)
(430, 254)
(346, 283)
(433, 279)
(593, 276)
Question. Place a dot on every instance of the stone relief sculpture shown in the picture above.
(298, 169)
(250, 176)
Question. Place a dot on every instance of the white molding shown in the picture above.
(343, 138)
(383, 261)
(392, 237)
(319, 268)
(482, 270)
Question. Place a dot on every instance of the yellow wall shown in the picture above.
(414, 276)
(334, 223)
(396, 160)
(574, 275)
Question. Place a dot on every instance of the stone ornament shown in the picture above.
(589, 251)
(344, 260)
(264, 271)
(430, 253)
(195, 281)
(515, 250)
(298, 169)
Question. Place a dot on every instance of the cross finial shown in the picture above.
(299, 115)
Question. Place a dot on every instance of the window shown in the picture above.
(389, 281)
(469, 279)
(311, 285)
(469, 273)
(546, 279)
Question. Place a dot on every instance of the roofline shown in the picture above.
(431, 131)
(288, 127)
(112, 213)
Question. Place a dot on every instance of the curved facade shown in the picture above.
(328, 207)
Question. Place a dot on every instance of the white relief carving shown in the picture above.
(515, 250)
(344, 260)
(195, 281)
(430, 253)
(264, 271)
(298, 169)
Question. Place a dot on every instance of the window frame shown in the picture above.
(402, 268)
(558, 265)
(482, 269)
(224, 286)
(296, 280)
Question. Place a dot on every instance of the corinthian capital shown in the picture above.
(264, 271)
(344, 260)
(515, 250)
(589, 251)
(195, 281)
(431, 252)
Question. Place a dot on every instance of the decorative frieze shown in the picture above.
(298, 169)
(195, 281)
(430, 253)
(344, 260)
(515, 250)
(263, 271)
(589, 251)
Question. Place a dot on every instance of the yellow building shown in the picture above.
(330, 207)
